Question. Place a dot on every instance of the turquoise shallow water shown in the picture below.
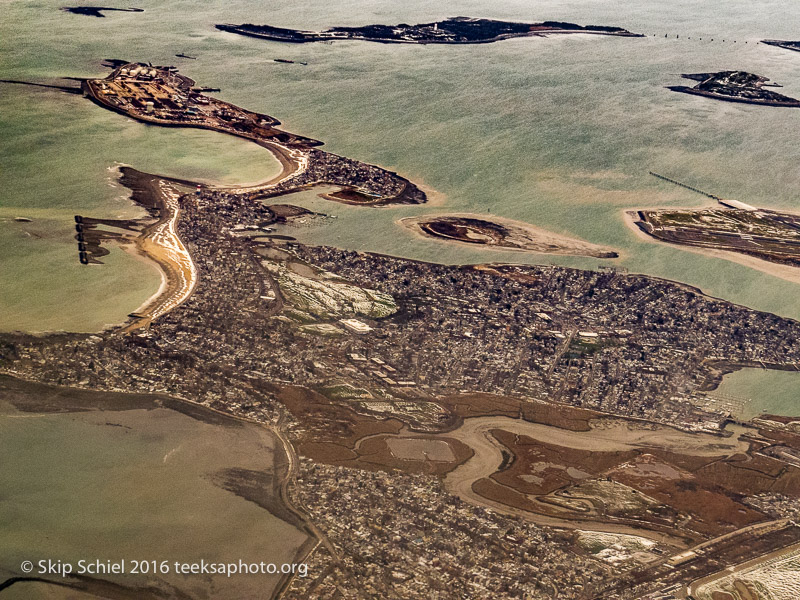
(558, 131)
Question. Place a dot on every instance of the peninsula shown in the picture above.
(412, 396)
(455, 30)
(162, 96)
(503, 234)
(764, 234)
(552, 423)
(735, 86)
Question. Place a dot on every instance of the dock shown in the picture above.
(688, 187)
(729, 203)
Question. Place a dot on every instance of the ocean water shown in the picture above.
(559, 132)
(135, 485)
(53, 169)
(773, 392)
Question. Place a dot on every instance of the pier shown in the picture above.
(688, 187)
(677, 36)
(735, 204)
(82, 254)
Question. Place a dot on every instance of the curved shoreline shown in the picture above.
(89, 399)
(301, 166)
(290, 163)
(126, 90)
(159, 242)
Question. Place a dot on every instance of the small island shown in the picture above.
(785, 44)
(455, 30)
(96, 11)
(735, 86)
(502, 234)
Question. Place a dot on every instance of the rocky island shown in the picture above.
(787, 45)
(735, 86)
(96, 11)
(455, 30)
(503, 234)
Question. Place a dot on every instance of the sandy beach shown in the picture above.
(290, 160)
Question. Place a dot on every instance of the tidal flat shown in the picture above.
(91, 475)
